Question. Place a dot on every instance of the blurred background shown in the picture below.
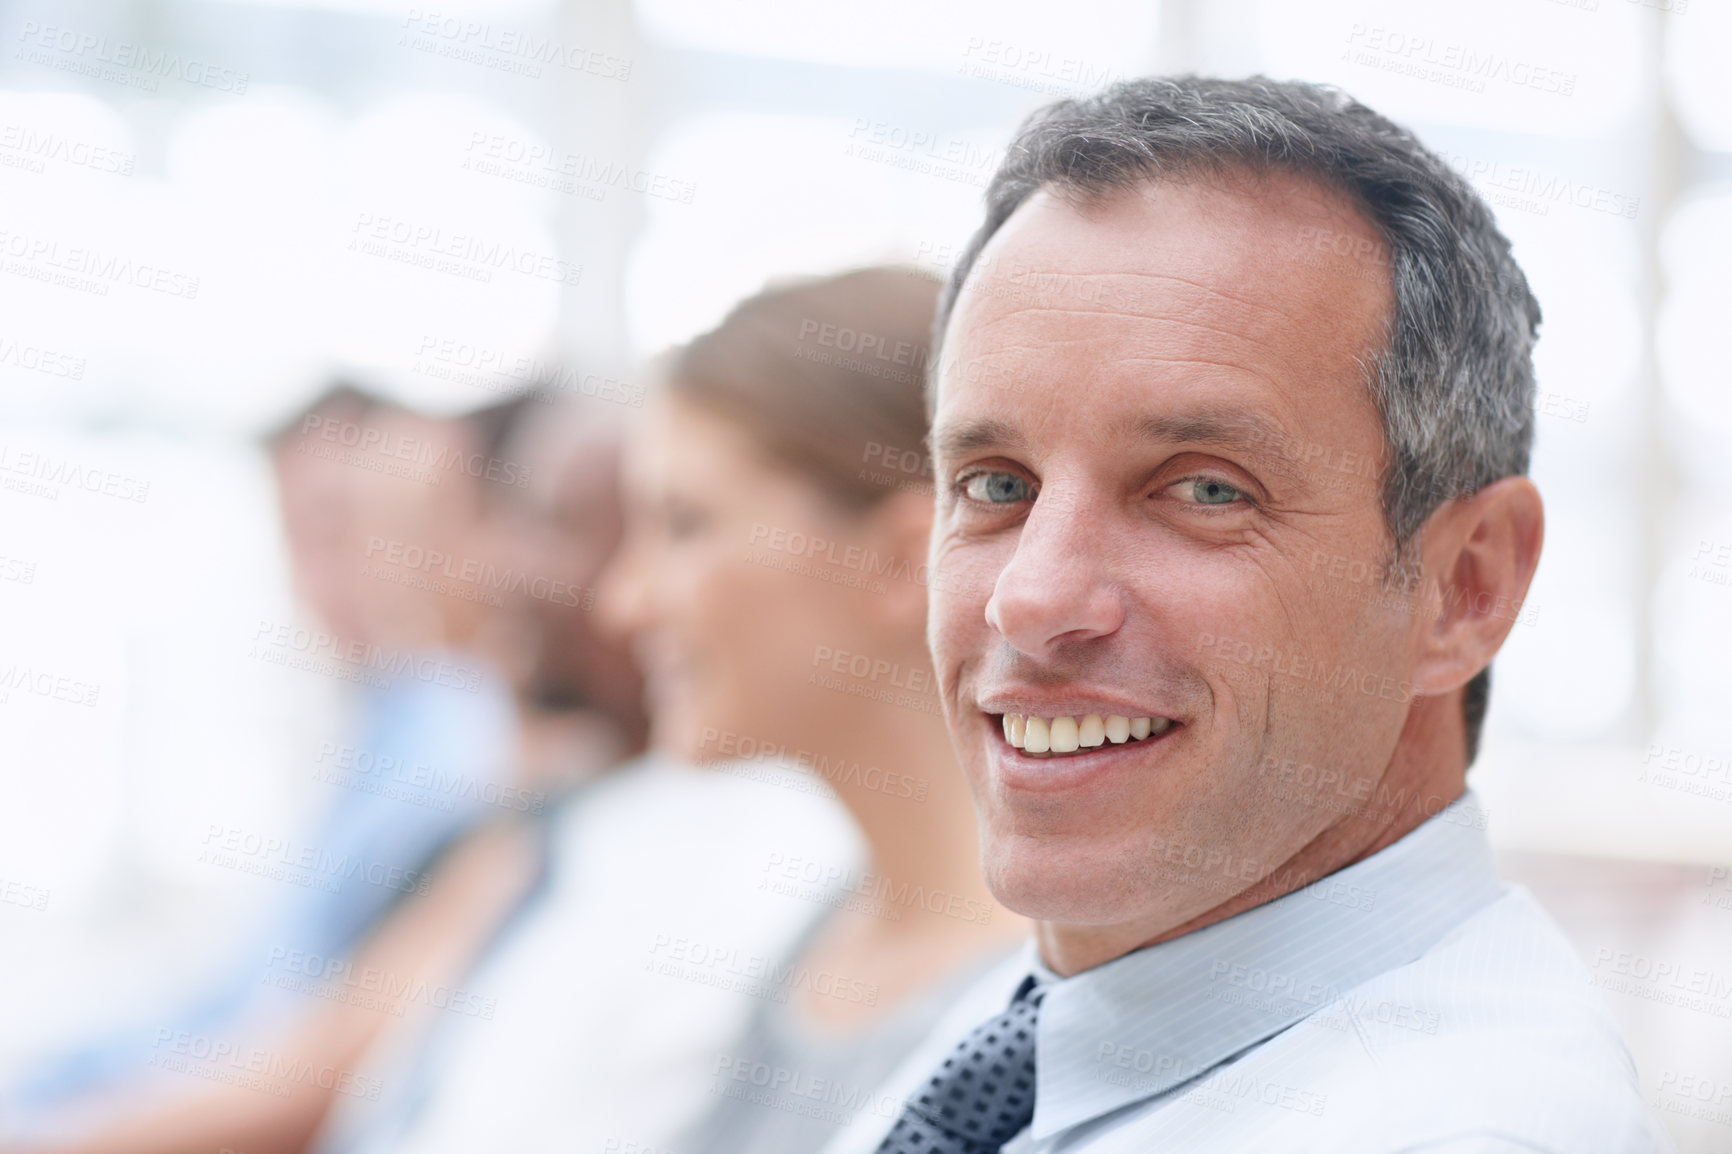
(209, 210)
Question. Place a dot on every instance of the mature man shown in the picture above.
(1229, 431)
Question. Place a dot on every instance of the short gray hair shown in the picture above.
(1454, 385)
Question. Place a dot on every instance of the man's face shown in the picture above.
(565, 527)
(1154, 439)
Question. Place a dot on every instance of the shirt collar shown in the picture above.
(1143, 1023)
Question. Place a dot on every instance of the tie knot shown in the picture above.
(982, 1094)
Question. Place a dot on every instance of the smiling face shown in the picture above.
(1153, 419)
(728, 602)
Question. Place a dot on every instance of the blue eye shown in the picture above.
(1208, 491)
(996, 488)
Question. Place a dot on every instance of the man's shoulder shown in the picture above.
(1497, 1031)
(1492, 1040)
(1507, 975)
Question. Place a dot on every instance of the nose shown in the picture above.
(1055, 590)
(622, 592)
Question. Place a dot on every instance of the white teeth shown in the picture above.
(1063, 735)
(1036, 738)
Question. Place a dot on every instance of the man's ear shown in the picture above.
(901, 528)
(1479, 554)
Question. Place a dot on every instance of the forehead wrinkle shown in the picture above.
(1087, 307)
(1261, 341)
(1230, 366)
(1249, 367)
(1266, 306)
(1036, 311)
(1257, 348)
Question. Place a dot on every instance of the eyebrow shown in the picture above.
(1230, 428)
(1209, 425)
(960, 439)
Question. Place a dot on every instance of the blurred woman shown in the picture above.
(773, 583)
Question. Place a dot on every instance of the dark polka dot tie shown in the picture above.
(982, 1095)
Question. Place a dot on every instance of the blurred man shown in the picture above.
(1230, 425)
(372, 493)
(428, 757)
(558, 530)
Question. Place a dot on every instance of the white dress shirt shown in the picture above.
(1409, 1002)
(610, 997)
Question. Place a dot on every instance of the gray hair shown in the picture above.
(1454, 384)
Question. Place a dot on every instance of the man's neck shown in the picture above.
(1426, 773)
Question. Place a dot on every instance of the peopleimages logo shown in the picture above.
(17, 893)
(253, 1068)
(1665, 980)
(735, 753)
(88, 269)
(504, 372)
(922, 151)
(436, 459)
(463, 254)
(794, 876)
(358, 768)
(28, 679)
(757, 975)
(36, 359)
(280, 643)
(495, 154)
(338, 979)
(866, 344)
(282, 860)
(828, 1099)
(1300, 670)
(855, 558)
(505, 48)
(87, 53)
(33, 148)
(482, 575)
(1036, 69)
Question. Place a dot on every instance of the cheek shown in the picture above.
(1229, 609)
(697, 602)
(961, 580)
(754, 629)
(1288, 660)
(717, 601)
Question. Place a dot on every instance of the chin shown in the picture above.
(1069, 881)
(703, 727)
(674, 734)
(672, 745)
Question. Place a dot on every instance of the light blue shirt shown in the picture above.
(436, 759)
(1409, 1002)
